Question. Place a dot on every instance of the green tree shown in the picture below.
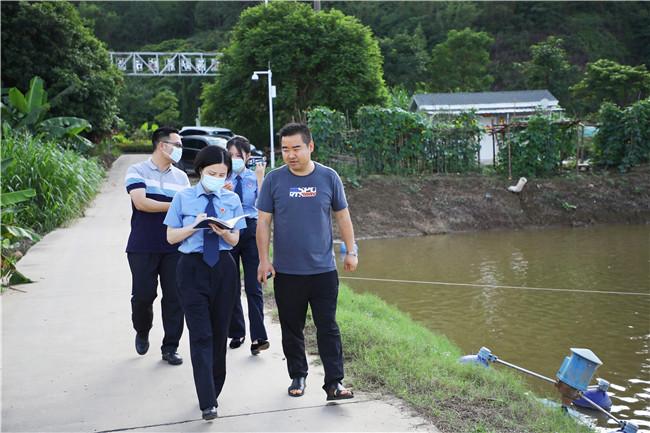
(130, 25)
(405, 59)
(210, 15)
(606, 80)
(317, 58)
(49, 39)
(166, 103)
(460, 63)
(549, 69)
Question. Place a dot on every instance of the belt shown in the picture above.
(201, 254)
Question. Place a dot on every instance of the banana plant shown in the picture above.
(29, 111)
(12, 235)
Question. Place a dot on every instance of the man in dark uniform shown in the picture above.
(152, 184)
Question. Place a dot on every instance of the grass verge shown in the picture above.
(386, 351)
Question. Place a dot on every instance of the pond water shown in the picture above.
(599, 298)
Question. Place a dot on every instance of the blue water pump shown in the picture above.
(597, 394)
(578, 369)
(572, 382)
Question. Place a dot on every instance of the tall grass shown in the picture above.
(386, 351)
(64, 180)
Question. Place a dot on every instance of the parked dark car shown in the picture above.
(205, 130)
(192, 144)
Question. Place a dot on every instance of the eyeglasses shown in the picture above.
(175, 144)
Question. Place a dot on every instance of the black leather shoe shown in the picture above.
(173, 358)
(141, 343)
(209, 413)
(256, 348)
(236, 342)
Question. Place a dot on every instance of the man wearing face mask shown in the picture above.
(246, 183)
(152, 184)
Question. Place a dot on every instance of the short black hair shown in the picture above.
(241, 143)
(160, 134)
(291, 129)
(209, 155)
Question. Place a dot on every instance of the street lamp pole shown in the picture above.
(272, 94)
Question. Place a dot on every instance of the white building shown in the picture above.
(493, 108)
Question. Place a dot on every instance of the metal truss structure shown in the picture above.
(155, 64)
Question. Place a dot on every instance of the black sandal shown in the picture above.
(297, 384)
(338, 392)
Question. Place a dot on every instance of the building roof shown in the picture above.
(486, 102)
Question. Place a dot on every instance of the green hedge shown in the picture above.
(393, 140)
(623, 137)
(64, 180)
(537, 147)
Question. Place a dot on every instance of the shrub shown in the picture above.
(396, 141)
(13, 235)
(538, 146)
(623, 137)
(329, 131)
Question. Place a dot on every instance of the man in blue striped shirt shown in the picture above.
(152, 184)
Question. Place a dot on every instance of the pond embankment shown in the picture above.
(387, 352)
(390, 206)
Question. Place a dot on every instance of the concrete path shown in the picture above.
(68, 361)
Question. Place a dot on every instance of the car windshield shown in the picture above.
(217, 141)
(208, 130)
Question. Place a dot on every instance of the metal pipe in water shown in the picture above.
(523, 370)
(602, 410)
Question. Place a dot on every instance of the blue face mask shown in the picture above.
(211, 183)
(238, 165)
(176, 154)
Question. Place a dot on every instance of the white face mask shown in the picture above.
(211, 183)
(238, 165)
(176, 154)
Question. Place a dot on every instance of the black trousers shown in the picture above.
(207, 295)
(246, 251)
(292, 295)
(145, 270)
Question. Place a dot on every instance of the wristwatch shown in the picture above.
(351, 254)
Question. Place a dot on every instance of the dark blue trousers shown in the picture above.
(145, 270)
(293, 293)
(207, 296)
(246, 251)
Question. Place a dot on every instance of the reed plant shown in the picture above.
(64, 180)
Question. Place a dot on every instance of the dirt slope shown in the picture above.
(390, 206)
